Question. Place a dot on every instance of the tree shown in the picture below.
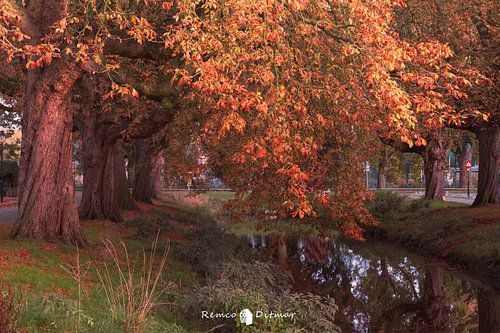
(105, 125)
(46, 204)
(57, 41)
(434, 154)
(290, 147)
(289, 92)
(470, 30)
(465, 149)
(148, 167)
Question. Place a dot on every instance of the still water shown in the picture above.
(383, 288)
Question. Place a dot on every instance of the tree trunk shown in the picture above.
(104, 196)
(382, 165)
(434, 156)
(488, 190)
(437, 309)
(465, 155)
(47, 208)
(147, 167)
(488, 308)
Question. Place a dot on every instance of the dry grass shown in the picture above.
(135, 292)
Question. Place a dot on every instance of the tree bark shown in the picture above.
(488, 305)
(105, 188)
(434, 156)
(437, 309)
(147, 167)
(382, 165)
(488, 189)
(465, 155)
(47, 206)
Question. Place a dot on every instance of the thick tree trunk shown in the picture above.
(488, 189)
(465, 155)
(434, 156)
(147, 167)
(104, 194)
(105, 189)
(47, 206)
(488, 304)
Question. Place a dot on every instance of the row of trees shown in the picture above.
(285, 97)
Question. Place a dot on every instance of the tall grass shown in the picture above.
(136, 291)
(10, 308)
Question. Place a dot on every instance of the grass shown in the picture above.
(457, 233)
(46, 273)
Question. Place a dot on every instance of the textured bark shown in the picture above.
(488, 189)
(105, 186)
(434, 156)
(465, 155)
(47, 209)
(105, 189)
(488, 304)
(147, 172)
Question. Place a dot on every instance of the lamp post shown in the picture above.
(367, 174)
(2, 140)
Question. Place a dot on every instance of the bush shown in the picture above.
(262, 287)
(9, 171)
(387, 205)
(209, 248)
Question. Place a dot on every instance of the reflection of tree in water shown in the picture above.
(378, 294)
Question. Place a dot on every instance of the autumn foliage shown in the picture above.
(287, 96)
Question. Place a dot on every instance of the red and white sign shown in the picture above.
(468, 164)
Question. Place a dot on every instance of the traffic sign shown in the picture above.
(468, 164)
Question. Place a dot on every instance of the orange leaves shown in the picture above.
(297, 4)
(299, 97)
(167, 5)
(141, 30)
(232, 121)
(122, 91)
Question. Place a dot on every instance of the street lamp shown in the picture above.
(2, 140)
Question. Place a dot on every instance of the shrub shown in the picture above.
(262, 287)
(387, 204)
(209, 248)
(9, 170)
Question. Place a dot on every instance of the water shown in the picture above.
(383, 288)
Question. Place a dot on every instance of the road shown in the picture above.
(8, 215)
(451, 197)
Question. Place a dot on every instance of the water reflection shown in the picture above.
(379, 288)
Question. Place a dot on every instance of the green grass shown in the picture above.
(457, 233)
(50, 292)
(220, 195)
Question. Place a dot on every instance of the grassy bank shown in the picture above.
(57, 288)
(114, 284)
(468, 237)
